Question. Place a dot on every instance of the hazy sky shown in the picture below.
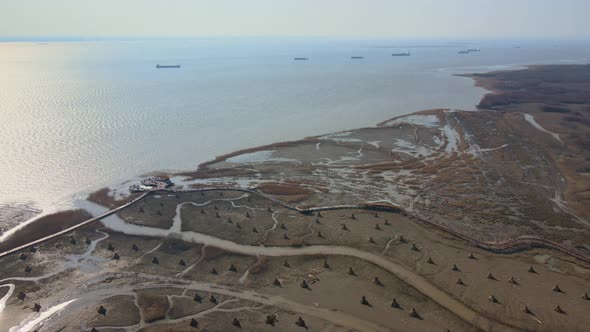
(392, 18)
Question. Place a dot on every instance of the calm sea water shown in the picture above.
(78, 116)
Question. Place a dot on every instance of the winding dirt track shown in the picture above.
(503, 247)
(336, 317)
(411, 278)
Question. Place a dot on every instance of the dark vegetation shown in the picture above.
(547, 84)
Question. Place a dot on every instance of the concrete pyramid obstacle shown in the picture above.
(559, 310)
(402, 239)
(277, 283)
(269, 209)
(182, 262)
(376, 215)
(460, 282)
(371, 240)
(493, 299)
(344, 228)
(217, 215)
(254, 230)
(317, 221)
(531, 270)
(213, 271)
(491, 276)
(37, 307)
(238, 226)
(283, 227)
(21, 296)
(455, 268)
(395, 304)
(213, 299)
(270, 319)
(430, 261)
(72, 241)
(377, 282)
(471, 256)
(286, 264)
(23, 256)
(586, 297)
(320, 235)
(528, 311)
(215, 207)
(300, 322)
(203, 211)
(102, 311)
(236, 323)
(134, 247)
(326, 265)
(513, 281)
(248, 214)
(414, 248)
(28, 269)
(87, 241)
(110, 247)
(116, 257)
(415, 314)
(230, 221)
(557, 289)
(364, 301)
(320, 214)
(285, 237)
(155, 260)
(351, 271)
(304, 284)
(232, 268)
(386, 223)
(194, 323)
(198, 298)
(377, 227)
(353, 216)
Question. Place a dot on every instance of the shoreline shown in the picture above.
(102, 196)
(472, 193)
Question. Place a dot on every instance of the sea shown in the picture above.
(79, 115)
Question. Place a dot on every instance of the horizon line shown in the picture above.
(66, 38)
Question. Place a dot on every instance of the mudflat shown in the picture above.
(438, 220)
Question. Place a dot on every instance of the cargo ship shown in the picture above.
(357, 57)
(473, 50)
(159, 66)
(463, 52)
(401, 54)
(301, 59)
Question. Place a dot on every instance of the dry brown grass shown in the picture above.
(153, 307)
(283, 189)
(45, 226)
(260, 266)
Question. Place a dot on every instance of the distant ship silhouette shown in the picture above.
(159, 66)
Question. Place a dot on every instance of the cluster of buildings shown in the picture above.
(152, 183)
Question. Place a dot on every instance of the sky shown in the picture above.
(339, 18)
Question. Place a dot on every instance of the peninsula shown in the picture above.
(438, 220)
